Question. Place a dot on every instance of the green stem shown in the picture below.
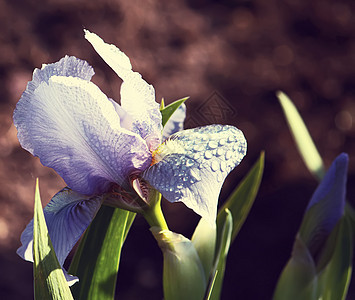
(153, 214)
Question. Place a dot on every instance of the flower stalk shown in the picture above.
(153, 213)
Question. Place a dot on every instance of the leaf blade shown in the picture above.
(49, 279)
(242, 198)
(216, 280)
(167, 111)
(302, 137)
(336, 277)
(97, 267)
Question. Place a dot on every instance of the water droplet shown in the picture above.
(214, 166)
(229, 154)
(199, 147)
(212, 144)
(184, 178)
(189, 163)
(231, 139)
(219, 177)
(220, 152)
(179, 186)
(203, 138)
(218, 127)
(196, 156)
(208, 155)
(222, 142)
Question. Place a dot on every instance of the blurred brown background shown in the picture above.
(230, 57)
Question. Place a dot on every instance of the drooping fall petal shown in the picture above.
(191, 165)
(67, 215)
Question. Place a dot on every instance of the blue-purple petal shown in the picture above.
(67, 215)
(326, 206)
(73, 128)
(191, 165)
(67, 66)
(176, 122)
(137, 96)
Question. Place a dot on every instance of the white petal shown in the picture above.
(176, 122)
(67, 215)
(137, 96)
(191, 165)
(74, 129)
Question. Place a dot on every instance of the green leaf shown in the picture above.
(216, 280)
(208, 294)
(162, 104)
(334, 280)
(298, 280)
(183, 274)
(302, 137)
(242, 198)
(49, 279)
(167, 111)
(204, 241)
(97, 259)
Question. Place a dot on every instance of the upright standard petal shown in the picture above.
(176, 122)
(326, 206)
(137, 96)
(67, 66)
(67, 215)
(191, 165)
(73, 128)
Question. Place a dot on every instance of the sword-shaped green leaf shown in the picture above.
(214, 289)
(49, 279)
(167, 111)
(302, 137)
(242, 199)
(97, 259)
(335, 279)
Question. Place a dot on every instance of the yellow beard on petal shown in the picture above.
(168, 147)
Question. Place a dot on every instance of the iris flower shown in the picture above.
(114, 154)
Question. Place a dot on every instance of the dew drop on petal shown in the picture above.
(220, 152)
(212, 144)
(236, 147)
(229, 154)
(199, 147)
(219, 177)
(189, 163)
(196, 156)
(231, 139)
(214, 166)
(222, 142)
(208, 154)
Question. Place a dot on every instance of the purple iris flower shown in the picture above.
(326, 207)
(102, 149)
